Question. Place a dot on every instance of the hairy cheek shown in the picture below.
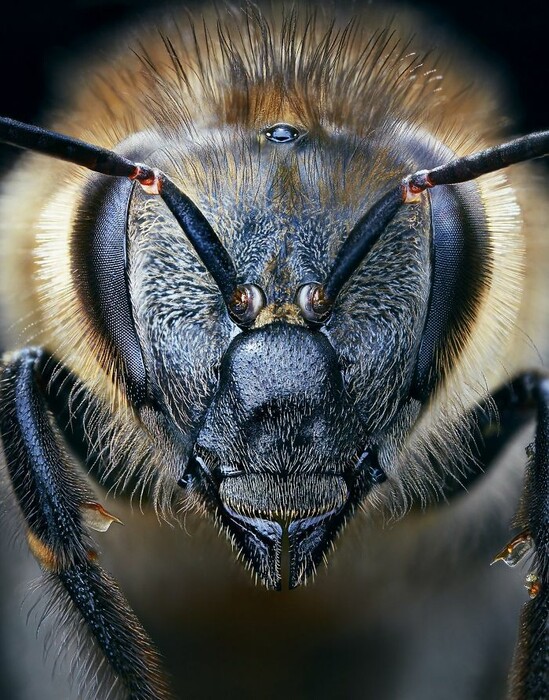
(376, 374)
(183, 373)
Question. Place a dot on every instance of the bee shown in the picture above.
(276, 278)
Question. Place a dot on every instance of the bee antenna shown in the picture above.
(470, 167)
(370, 227)
(360, 241)
(197, 229)
(210, 250)
(51, 143)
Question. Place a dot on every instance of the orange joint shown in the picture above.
(532, 584)
(43, 554)
(150, 179)
(414, 185)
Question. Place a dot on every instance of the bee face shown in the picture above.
(292, 449)
(346, 368)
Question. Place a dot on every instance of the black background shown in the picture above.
(512, 36)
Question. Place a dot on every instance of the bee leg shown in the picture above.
(530, 674)
(496, 422)
(51, 496)
(72, 404)
(516, 403)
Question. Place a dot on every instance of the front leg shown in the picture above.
(530, 677)
(53, 500)
(525, 398)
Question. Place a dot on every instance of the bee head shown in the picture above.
(281, 393)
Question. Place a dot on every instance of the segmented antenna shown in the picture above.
(50, 143)
(370, 227)
(203, 238)
(205, 241)
(470, 167)
(360, 241)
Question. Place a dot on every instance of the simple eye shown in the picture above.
(312, 302)
(246, 303)
(281, 133)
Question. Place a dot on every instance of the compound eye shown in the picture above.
(312, 302)
(246, 303)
